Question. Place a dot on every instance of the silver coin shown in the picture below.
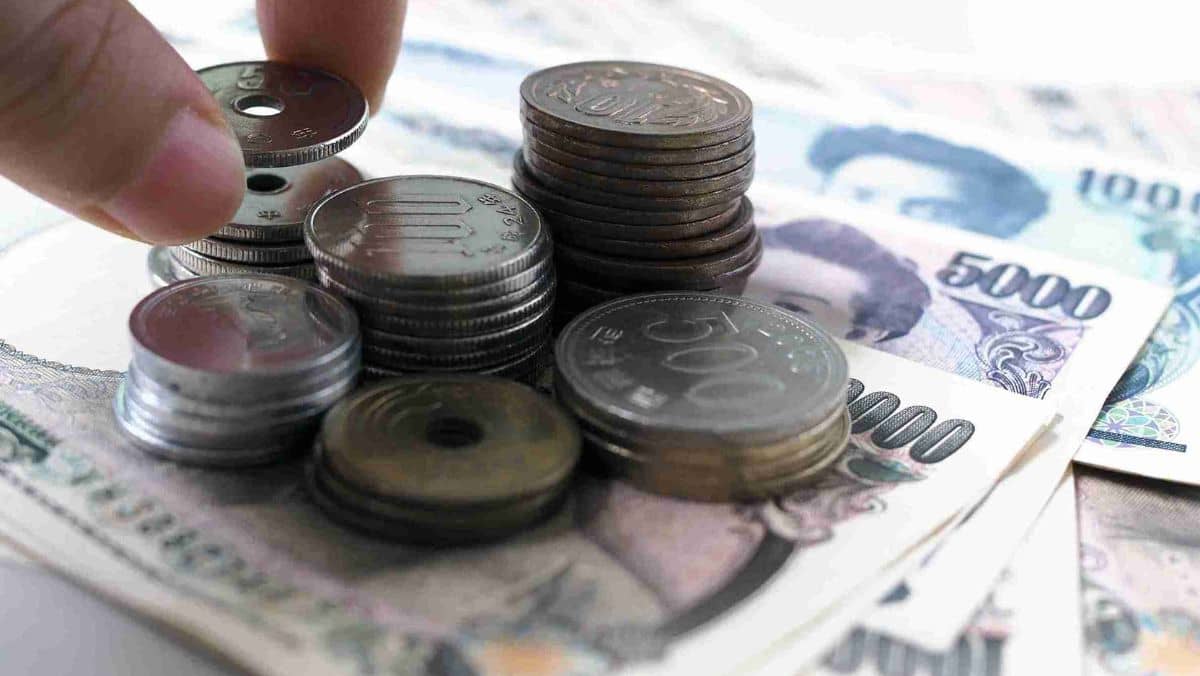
(528, 330)
(660, 186)
(637, 156)
(699, 367)
(162, 272)
(224, 336)
(422, 326)
(424, 232)
(251, 254)
(199, 264)
(146, 439)
(597, 195)
(379, 352)
(524, 367)
(635, 104)
(649, 172)
(373, 293)
(710, 243)
(545, 197)
(277, 200)
(283, 115)
(444, 305)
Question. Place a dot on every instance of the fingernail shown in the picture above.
(190, 187)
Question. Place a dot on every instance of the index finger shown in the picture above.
(358, 41)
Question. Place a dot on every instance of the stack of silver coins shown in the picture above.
(704, 396)
(640, 171)
(443, 459)
(289, 122)
(447, 274)
(234, 370)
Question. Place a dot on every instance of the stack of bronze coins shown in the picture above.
(640, 171)
(234, 370)
(447, 274)
(704, 396)
(443, 459)
(289, 122)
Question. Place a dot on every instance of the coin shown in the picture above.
(424, 232)
(527, 330)
(446, 305)
(234, 337)
(450, 440)
(628, 273)
(253, 254)
(284, 115)
(277, 200)
(707, 244)
(567, 227)
(636, 156)
(497, 320)
(162, 273)
(543, 196)
(635, 104)
(377, 354)
(199, 264)
(683, 368)
(631, 170)
(523, 367)
(585, 193)
(659, 186)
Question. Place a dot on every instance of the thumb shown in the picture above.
(100, 116)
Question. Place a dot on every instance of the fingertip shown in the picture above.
(190, 187)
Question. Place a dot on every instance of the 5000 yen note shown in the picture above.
(1133, 217)
(1020, 319)
(244, 561)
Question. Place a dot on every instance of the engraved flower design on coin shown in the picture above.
(635, 104)
(284, 115)
(707, 368)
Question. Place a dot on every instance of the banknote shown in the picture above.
(245, 562)
(1151, 123)
(1029, 623)
(1139, 559)
(972, 305)
(1131, 216)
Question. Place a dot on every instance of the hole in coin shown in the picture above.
(453, 432)
(258, 105)
(264, 183)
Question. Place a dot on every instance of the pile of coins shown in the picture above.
(640, 171)
(289, 122)
(447, 274)
(704, 396)
(235, 370)
(443, 459)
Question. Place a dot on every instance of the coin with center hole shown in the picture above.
(283, 115)
(450, 440)
(200, 264)
(277, 200)
(640, 105)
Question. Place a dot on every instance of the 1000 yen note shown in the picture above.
(1024, 320)
(246, 563)
(1133, 217)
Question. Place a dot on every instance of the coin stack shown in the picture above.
(443, 459)
(640, 171)
(267, 233)
(704, 396)
(447, 274)
(289, 122)
(234, 370)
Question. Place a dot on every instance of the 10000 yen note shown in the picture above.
(244, 562)
(1029, 624)
(1133, 217)
(1139, 559)
(1020, 319)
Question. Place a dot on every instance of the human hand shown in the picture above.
(99, 115)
